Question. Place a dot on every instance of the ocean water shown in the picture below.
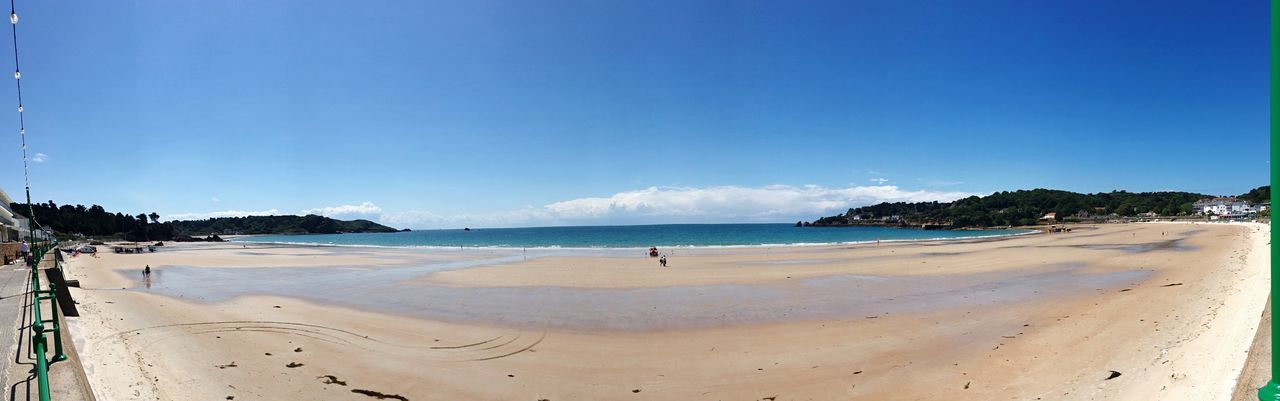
(663, 236)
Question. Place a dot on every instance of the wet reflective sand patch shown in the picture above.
(845, 296)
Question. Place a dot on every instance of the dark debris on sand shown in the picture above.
(379, 395)
(331, 379)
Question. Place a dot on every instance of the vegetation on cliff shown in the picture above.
(309, 224)
(1025, 207)
(96, 221)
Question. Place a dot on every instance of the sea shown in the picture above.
(631, 236)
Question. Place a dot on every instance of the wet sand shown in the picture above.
(1172, 308)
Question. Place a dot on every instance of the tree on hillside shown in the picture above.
(95, 221)
(1022, 207)
(1258, 195)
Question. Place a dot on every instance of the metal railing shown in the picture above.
(40, 332)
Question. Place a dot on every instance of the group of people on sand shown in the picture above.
(662, 260)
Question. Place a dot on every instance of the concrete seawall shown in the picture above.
(67, 381)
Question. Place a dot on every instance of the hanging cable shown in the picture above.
(22, 125)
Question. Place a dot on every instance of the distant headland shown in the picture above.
(69, 221)
(1030, 207)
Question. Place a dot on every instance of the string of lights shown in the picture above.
(22, 125)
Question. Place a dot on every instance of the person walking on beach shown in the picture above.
(146, 271)
(663, 261)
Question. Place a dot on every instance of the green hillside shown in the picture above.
(309, 224)
(1025, 207)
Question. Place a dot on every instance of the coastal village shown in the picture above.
(1228, 208)
(1041, 206)
(1211, 209)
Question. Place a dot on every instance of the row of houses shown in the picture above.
(869, 217)
(1215, 208)
(1225, 207)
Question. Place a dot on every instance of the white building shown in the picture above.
(1225, 207)
(9, 229)
(24, 227)
(24, 224)
(13, 226)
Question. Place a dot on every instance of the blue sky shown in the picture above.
(441, 114)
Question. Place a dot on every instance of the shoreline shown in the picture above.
(1026, 230)
(603, 248)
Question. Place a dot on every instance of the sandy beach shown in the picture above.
(1108, 312)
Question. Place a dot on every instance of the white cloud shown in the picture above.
(655, 205)
(879, 181)
(215, 199)
(363, 210)
(40, 158)
(223, 213)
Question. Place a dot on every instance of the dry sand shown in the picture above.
(1171, 308)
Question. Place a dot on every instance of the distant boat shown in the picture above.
(466, 229)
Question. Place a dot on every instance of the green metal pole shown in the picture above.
(58, 355)
(1271, 391)
(38, 338)
(42, 365)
